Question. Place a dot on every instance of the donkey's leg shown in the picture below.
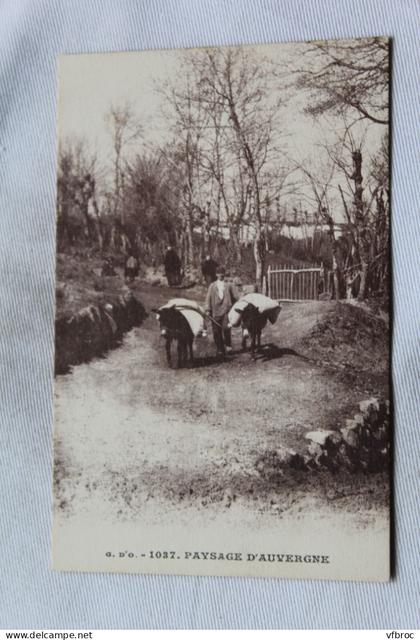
(181, 353)
(168, 349)
(244, 340)
(253, 337)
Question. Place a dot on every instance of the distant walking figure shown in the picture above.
(131, 269)
(172, 267)
(208, 269)
(220, 298)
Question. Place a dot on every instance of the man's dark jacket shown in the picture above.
(172, 262)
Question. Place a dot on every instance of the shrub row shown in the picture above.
(94, 330)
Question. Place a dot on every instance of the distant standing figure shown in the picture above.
(131, 269)
(208, 269)
(220, 298)
(172, 267)
(108, 268)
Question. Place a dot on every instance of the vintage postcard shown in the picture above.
(222, 322)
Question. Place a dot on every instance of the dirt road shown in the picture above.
(129, 430)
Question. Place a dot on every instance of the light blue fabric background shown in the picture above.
(32, 33)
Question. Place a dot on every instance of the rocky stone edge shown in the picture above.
(94, 330)
(362, 445)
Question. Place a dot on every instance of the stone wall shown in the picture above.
(363, 444)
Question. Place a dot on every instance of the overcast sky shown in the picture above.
(90, 83)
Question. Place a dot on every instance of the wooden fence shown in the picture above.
(291, 284)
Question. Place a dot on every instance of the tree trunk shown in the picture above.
(335, 261)
(125, 243)
(99, 235)
(259, 241)
(259, 257)
(89, 224)
(98, 227)
(363, 233)
(235, 244)
(335, 277)
(112, 244)
(189, 254)
(363, 281)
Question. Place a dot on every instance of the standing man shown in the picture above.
(108, 267)
(208, 269)
(172, 267)
(220, 298)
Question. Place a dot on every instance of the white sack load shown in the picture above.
(192, 312)
(263, 303)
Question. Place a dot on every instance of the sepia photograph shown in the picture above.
(222, 330)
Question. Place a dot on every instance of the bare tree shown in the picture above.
(232, 134)
(240, 85)
(223, 164)
(188, 121)
(361, 255)
(348, 77)
(77, 201)
(366, 212)
(320, 182)
(125, 130)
